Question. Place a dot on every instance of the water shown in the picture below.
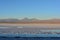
(31, 38)
(28, 33)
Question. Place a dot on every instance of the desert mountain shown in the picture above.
(30, 20)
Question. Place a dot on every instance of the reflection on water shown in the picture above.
(29, 31)
(31, 38)
(4, 27)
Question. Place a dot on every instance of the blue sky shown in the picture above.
(43, 9)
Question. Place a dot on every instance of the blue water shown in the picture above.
(53, 36)
(30, 35)
(31, 38)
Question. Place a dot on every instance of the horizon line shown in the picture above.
(31, 18)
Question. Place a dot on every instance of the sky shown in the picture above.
(42, 9)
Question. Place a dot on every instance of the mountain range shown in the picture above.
(27, 20)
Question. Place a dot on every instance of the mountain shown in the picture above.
(33, 20)
(28, 20)
(9, 20)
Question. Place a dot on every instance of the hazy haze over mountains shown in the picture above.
(29, 20)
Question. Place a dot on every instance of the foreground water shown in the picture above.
(31, 38)
(29, 33)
